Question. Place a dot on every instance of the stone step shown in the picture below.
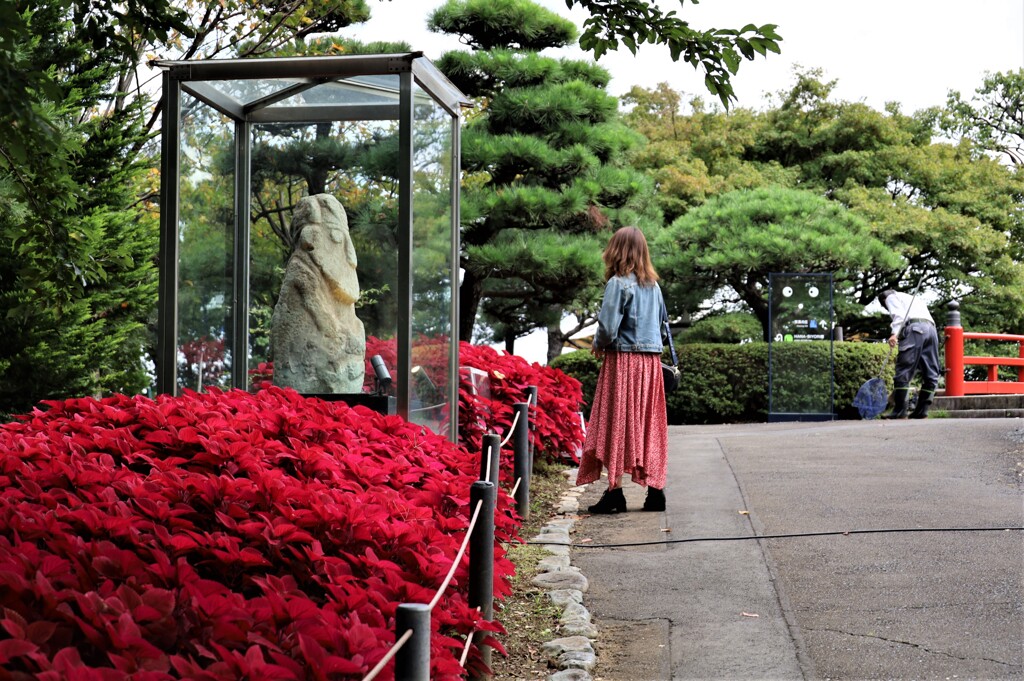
(976, 402)
(980, 413)
(980, 406)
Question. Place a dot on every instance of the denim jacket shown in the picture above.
(631, 317)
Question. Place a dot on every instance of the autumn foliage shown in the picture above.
(231, 535)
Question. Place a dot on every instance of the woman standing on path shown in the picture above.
(628, 429)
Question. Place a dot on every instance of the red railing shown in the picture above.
(956, 384)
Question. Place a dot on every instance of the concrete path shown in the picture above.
(900, 605)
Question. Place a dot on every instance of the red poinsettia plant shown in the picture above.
(556, 430)
(228, 535)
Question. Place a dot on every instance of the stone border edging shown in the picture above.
(573, 654)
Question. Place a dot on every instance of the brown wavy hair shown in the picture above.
(627, 253)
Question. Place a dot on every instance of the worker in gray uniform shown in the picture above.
(913, 330)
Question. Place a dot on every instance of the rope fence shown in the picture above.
(412, 621)
(389, 656)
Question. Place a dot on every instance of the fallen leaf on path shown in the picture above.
(666, 529)
(750, 614)
(744, 512)
(585, 540)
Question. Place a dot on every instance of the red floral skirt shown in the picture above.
(628, 428)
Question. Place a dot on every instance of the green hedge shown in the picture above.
(584, 367)
(729, 383)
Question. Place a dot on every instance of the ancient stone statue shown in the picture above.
(318, 343)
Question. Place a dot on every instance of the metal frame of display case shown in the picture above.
(353, 73)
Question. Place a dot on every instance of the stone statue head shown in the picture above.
(322, 227)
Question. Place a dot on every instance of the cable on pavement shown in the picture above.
(792, 535)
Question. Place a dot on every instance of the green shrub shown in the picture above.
(584, 367)
(855, 364)
(731, 327)
(728, 383)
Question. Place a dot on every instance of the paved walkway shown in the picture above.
(907, 605)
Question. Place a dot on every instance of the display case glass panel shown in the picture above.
(293, 193)
(205, 242)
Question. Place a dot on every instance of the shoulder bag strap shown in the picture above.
(668, 332)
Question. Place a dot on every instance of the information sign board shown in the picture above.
(800, 379)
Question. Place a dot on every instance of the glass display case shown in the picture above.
(309, 230)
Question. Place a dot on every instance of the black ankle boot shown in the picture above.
(612, 501)
(924, 400)
(899, 403)
(655, 500)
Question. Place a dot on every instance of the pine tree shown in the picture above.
(78, 233)
(545, 161)
(77, 275)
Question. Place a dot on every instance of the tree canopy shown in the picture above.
(546, 173)
(948, 210)
(716, 52)
(739, 238)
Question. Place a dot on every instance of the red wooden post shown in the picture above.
(954, 352)
(1020, 353)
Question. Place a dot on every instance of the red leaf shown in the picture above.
(15, 647)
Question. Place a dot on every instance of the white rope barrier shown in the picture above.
(511, 430)
(455, 565)
(390, 654)
(469, 644)
(488, 468)
(437, 597)
(458, 558)
(515, 487)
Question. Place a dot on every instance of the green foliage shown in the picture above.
(693, 157)
(78, 233)
(856, 363)
(35, 47)
(716, 52)
(490, 24)
(77, 276)
(584, 367)
(991, 117)
(738, 239)
(483, 74)
(725, 327)
(949, 212)
(729, 383)
(547, 177)
(720, 384)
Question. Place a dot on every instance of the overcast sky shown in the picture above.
(909, 51)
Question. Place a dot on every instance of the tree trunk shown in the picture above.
(318, 174)
(754, 297)
(760, 309)
(556, 341)
(470, 292)
(510, 341)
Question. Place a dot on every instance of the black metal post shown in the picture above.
(481, 559)
(521, 459)
(491, 447)
(412, 662)
(953, 313)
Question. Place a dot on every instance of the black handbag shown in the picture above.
(670, 372)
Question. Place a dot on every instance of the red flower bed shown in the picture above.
(227, 536)
(556, 432)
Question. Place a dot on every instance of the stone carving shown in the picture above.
(317, 341)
